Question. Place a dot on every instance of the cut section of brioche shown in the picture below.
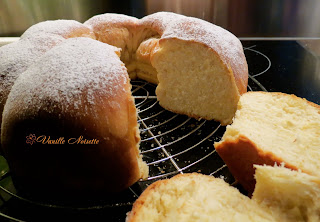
(209, 94)
(271, 128)
(294, 194)
(195, 197)
(280, 195)
(201, 68)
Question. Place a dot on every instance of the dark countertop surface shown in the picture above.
(290, 66)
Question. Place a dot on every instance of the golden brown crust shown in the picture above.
(241, 154)
(31, 47)
(139, 203)
(105, 113)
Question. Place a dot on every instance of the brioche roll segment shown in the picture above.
(90, 101)
(18, 56)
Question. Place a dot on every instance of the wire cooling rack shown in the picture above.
(170, 144)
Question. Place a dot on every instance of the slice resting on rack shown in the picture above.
(196, 197)
(271, 128)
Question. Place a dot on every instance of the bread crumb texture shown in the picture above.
(293, 194)
(196, 197)
(284, 125)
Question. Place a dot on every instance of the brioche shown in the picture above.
(271, 128)
(195, 197)
(200, 69)
(54, 98)
(280, 195)
(186, 46)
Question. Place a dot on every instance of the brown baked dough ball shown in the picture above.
(78, 91)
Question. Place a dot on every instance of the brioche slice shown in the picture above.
(280, 195)
(294, 194)
(196, 197)
(271, 128)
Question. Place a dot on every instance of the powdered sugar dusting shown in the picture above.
(111, 19)
(15, 58)
(193, 29)
(56, 27)
(160, 21)
(18, 56)
(220, 40)
(73, 75)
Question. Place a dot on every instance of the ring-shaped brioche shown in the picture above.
(200, 69)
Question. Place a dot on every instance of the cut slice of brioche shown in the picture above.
(280, 195)
(196, 197)
(294, 194)
(271, 128)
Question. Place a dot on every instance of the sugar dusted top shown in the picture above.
(111, 19)
(171, 25)
(18, 56)
(56, 27)
(73, 75)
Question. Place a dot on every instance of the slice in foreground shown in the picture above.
(280, 195)
(195, 197)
